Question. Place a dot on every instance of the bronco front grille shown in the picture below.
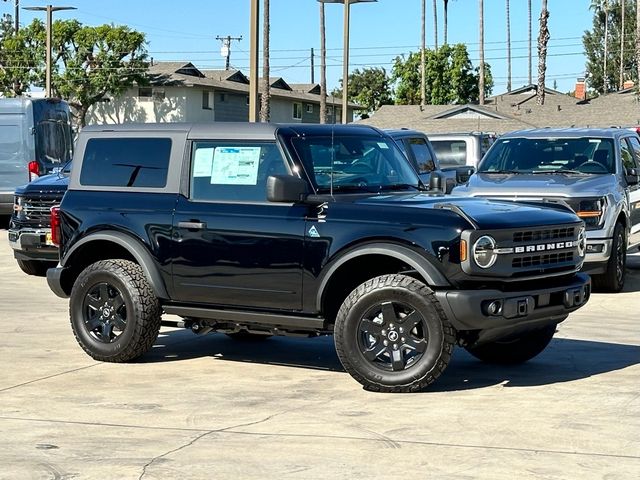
(542, 260)
(542, 235)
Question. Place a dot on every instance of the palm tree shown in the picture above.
(481, 72)
(323, 68)
(543, 40)
(266, 93)
(638, 41)
(508, 50)
(435, 24)
(530, 47)
(423, 72)
(445, 19)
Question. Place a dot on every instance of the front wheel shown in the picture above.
(612, 280)
(392, 335)
(115, 315)
(514, 351)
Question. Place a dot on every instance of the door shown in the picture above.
(634, 193)
(232, 246)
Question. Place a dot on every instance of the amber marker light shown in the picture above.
(463, 250)
(588, 214)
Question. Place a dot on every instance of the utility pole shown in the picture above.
(225, 50)
(313, 67)
(49, 9)
(623, 4)
(254, 28)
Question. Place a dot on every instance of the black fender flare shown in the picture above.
(420, 263)
(136, 248)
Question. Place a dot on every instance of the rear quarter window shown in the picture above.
(126, 162)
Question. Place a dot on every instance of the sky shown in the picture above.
(186, 30)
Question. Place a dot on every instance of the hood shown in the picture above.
(527, 186)
(486, 214)
(47, 184)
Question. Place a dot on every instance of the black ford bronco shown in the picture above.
(257, 230)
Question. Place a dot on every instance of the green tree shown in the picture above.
(593, 42)
(21, 57)
(450, 77)
(369, 87)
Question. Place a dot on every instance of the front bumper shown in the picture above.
(520, 310)
(32, 244)
(598, 253)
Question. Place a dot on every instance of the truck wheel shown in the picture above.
(115, 315)
(392, 335)
(35, 267)
(612, 280)
(519, 350)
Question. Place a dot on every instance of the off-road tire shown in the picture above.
(141, 310)
(612, 280)
(401, 292)
(514, 351)
(37, 268)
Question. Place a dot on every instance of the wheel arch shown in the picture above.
(109, 245)
(394, 257)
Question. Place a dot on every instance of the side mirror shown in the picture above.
(286, 189)
(632, 176)
(437, 182)
(463, 174)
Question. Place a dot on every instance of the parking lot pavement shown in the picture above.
(211, 407)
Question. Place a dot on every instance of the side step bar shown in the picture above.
(248, 317)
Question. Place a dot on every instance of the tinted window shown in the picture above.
(547, 155)
(126, 162)
(234, 172)
(635, 145)
(450, 153)
(627, 156)
(423, 155)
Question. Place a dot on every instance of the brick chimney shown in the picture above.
(581, 89)
(628, 84)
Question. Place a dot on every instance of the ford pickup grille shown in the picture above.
(37, 210)
(542, 235)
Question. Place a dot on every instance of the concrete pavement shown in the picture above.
(211, 407)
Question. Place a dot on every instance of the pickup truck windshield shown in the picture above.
(582, 155)
(355, 163)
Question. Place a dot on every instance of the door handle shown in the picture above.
(192, 225)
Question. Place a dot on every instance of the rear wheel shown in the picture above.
(391, 335)
(115, 315)
(35, 267)
(612, 280)
(514, 351)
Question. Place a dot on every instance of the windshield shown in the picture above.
(584, 155)
(348, 163)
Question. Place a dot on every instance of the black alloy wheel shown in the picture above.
(612, 280)
(105, 312)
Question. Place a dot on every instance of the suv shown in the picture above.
(461, 149)
(29, 226)
(262, 229)
(594, 171)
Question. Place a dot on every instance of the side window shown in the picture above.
(450, 153)
(126, 162)
(235, 172)
(635, 145)
(627, 156)
(423, 155)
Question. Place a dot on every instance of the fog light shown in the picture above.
(495, 308)
(595, 247)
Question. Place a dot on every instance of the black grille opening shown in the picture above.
(542, 260)
(541, 235)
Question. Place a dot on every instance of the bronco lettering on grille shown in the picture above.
(542, 247)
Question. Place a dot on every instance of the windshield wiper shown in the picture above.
(403, 186)
(501, 171)
(349, 188)
(561, 170)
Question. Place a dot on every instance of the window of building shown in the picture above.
(223, 97)
(309, 108)
(297, 111)
(126, 162)
(207, 100)
(145, 93)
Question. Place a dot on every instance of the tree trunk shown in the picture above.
(266, 88)
(543, 40)
(530, 48)
(481, 72)
(446, 20)
(605, 80)
(323, 68)
(508, 49)
(435, 25)
(422, 55)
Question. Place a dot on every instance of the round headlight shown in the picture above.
(484, 251)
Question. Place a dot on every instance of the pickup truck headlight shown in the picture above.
(591, 211)
(484, 253)
(18, 207)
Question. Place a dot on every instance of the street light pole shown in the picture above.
(49, 9)
(345, 55)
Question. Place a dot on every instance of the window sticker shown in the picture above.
(383, 145)
(235, 166)
(202, 162)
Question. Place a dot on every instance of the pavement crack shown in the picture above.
(48, 377)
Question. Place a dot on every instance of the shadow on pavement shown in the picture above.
(564, 360)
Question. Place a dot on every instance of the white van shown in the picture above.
(35, 139)
(461, 149)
